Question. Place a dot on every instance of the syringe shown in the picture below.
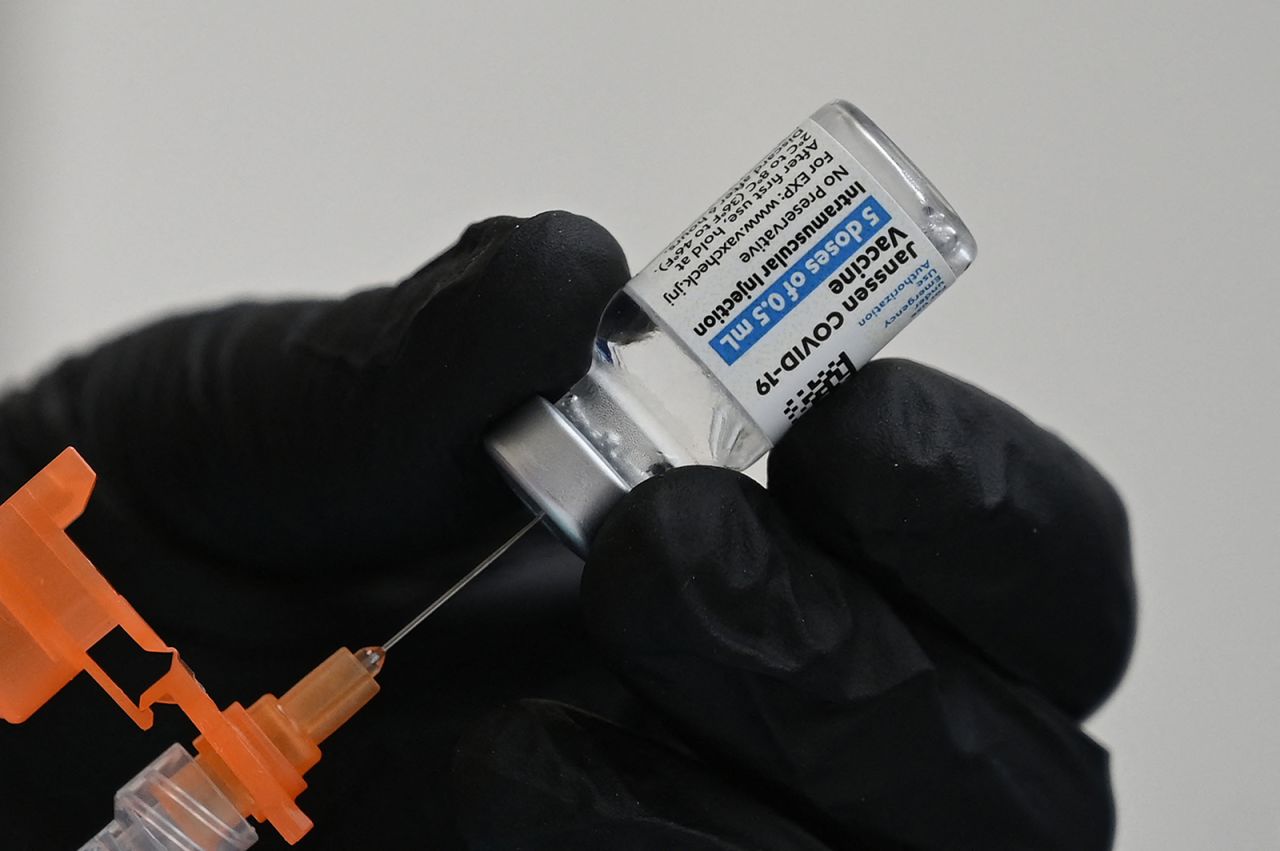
(55, 607)
(201, 803)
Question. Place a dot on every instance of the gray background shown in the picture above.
(1117, 163)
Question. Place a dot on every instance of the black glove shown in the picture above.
(891, 647)
(279, 480)
(891, 650)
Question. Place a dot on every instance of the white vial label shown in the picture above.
(794, 278)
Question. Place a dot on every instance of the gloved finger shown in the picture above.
(541, 775)
(777, 659)
(320, 436)
(955, 503)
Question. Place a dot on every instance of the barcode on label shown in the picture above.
(820, 385)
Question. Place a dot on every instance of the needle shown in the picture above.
(461, 583)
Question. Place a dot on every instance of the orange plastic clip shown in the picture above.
(55, 605)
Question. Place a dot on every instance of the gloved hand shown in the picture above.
(890, 648)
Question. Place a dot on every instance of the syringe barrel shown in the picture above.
(173, 804)
(201, 803)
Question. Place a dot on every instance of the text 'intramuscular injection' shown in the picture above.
(781, 290)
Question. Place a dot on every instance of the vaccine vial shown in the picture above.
(782, 289)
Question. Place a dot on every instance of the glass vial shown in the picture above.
(783, 288)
